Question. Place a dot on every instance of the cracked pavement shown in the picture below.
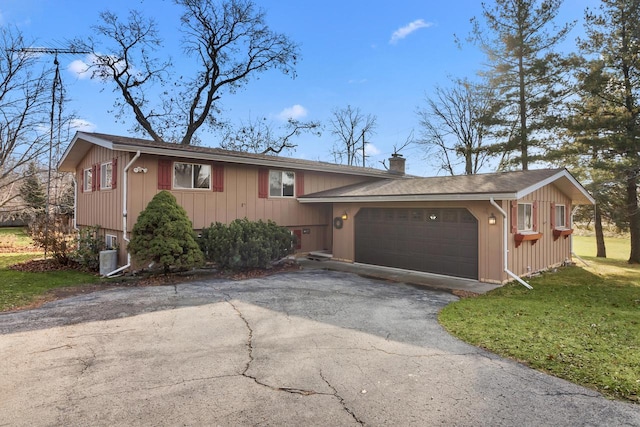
(301, 348)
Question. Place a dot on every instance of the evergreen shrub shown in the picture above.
(245, 244)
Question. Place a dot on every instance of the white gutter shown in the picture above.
(505, 243)
(125, 185)
(571, 239)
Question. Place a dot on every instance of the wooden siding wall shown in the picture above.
(529, 258)
(490, 245)
(239, 199)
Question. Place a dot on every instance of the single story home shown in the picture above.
(489, 227)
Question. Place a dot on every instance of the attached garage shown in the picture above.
(434, 240)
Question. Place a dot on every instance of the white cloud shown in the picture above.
(411, 27)
(82, 125)
(371, 150)
(295, 112)
(79, 68)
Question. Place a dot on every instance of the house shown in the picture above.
(488, 227)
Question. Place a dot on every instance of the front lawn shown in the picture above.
(21, 288)
(579, 323)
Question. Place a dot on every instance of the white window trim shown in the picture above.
(564, 226)
(525, 230)
(87, 183)
(113, 238)
(173, 177)
(282, 172)
(103, 170)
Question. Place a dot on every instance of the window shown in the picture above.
(106, 175)
(191, 175)
(87, 180)
(560, 220)
(281, 183)
(525, 217)
(111, 241)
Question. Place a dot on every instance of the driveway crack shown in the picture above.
(341, 400)
(244, 373)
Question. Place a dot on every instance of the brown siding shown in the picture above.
(529, 258)
(239, 199)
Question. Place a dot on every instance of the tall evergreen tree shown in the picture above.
(526, 73)
(612, 76)
(32, 193)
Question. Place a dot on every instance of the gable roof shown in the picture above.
(82, 142)
(499, 186)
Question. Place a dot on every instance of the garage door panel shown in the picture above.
(443, 241)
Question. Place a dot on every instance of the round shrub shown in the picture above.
(164, 234)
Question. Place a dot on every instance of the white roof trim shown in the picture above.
(561, 174)
(410, 198)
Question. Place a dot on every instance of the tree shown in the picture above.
(258, 136)
(454, 126)
(227, 43)
(25, 100)
(164, 234)
(351, 129)
(526, 74)
(612, 76)
(32, 192)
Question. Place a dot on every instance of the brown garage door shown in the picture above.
(442, 241)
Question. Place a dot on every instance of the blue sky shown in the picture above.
(380, 56)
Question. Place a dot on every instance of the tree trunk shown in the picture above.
(634, 216)
(524, 143)
(601, 250)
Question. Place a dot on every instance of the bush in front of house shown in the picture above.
(90, 243)
(163, 234)
(245, 244)
(54, 236)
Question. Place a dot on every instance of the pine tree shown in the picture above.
(164, 234)
(525, 72)
(612, 76)
(32, 193)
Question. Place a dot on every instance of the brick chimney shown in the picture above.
(396, 164)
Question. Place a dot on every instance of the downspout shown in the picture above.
(125, 185)
(573, 211)
(505, 243)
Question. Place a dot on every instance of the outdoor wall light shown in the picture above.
(492, 219)
(345, 216)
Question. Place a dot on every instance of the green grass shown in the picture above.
(617, 248)
(579, 323)
(19, 289)
(14, 236)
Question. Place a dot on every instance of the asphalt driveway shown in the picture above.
(301, 348)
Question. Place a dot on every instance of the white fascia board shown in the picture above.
(85, 138)
(411, 198)
(561, 174)
(277, 162)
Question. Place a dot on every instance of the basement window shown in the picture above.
(111, 241)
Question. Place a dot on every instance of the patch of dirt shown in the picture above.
(464, 294)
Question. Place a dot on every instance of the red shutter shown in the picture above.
(298, 234)
(164, 174)
(514, 216)
(94, 175)
(218, 178)
(98, 170)
(263, 183)
(534, 214)
(114, 173)
(553, 215)
(299, 184)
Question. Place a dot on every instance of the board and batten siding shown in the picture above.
(239, 199)
(547, 252)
